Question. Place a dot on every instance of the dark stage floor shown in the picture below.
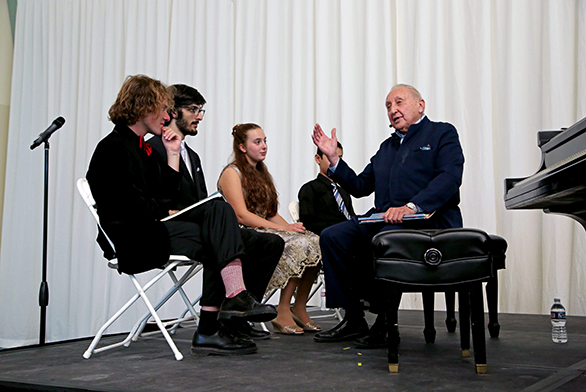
(522, 359)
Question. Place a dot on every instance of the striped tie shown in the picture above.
(340, 201)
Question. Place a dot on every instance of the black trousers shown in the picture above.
(210, 234)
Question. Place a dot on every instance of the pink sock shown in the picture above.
(232, 277)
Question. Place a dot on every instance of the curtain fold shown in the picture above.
(498, 70)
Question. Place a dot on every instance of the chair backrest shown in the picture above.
(83, 187)
(294, 210)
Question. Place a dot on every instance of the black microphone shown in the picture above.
(46, 134)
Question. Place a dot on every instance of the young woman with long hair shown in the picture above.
(248, 186)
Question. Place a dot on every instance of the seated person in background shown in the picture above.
(132, 185)
(260, 248)
(249, 188)
(318, 199)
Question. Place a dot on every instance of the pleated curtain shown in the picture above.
(499, 70)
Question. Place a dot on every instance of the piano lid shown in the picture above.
(565, 144)
(559, 186)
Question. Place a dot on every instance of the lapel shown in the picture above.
(197, 173)
(184, 171)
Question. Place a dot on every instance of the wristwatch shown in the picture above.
(412, 206)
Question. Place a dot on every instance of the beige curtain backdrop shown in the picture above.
(498, 70)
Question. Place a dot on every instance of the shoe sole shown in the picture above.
(204, 351)
(251, 315)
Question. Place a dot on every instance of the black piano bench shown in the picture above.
(438, 260)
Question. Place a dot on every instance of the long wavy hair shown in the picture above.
(260, 194)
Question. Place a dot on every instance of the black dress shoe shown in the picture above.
(245, 307)
(221, 343)
(244, 330)
(345, 330)
(375, 339)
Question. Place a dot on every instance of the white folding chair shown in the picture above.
(169, 269)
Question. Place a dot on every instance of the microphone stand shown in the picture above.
(44, 289)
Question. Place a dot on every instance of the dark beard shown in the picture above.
(184, 125)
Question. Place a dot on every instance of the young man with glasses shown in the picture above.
(261, 256)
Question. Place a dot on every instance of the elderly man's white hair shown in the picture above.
(413, 89)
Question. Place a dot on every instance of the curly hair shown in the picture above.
(260, 194)
(139, 96)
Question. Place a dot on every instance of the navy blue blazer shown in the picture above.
(425, 169)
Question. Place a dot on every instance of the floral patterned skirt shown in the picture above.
(301, 251)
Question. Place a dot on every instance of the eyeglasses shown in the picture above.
(196, 110)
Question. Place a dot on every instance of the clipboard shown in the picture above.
(214, 195)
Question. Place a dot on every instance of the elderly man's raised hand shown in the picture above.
(328, 145)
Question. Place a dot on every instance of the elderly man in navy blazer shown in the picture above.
(418, 169)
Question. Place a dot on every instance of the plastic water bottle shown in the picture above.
(323, 298)
(558, 322)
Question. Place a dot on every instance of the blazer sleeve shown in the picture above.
(357, 185)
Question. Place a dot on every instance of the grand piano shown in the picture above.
(559, 186)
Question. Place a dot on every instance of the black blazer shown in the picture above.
(318, 208)
(132, 191)
(191, 190)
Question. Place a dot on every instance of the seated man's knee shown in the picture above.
(276, 243)
(327, 235)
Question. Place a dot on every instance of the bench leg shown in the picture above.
(477, 316)
(393, 338)
(428, 310)
(451, 311)
(464, 312)
(494, 327)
